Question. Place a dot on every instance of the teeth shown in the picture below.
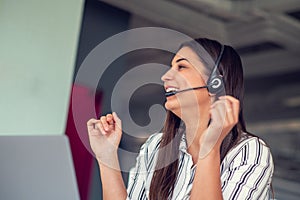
(171, 89)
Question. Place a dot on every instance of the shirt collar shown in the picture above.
(183, 143)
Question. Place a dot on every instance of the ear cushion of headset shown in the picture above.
(216, 85)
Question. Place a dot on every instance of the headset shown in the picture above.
(214, 83)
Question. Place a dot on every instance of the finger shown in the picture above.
(117, 120)
(216, 115)
(232, 100)
(236, 110)
(229, 114)
(219, 104)
(219, 112)
(104, 123)
(228, 97)
(229, 111)
(234, 105)
(222, 116)
(101, 128)
(216, 125)
(225, 120)
(91, 124)
(109, 119)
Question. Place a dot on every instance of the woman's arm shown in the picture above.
(207, 181)
(105, 135)
(112, 182)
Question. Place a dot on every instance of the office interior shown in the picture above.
(43, 45)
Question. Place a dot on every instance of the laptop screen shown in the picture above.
(36, 167)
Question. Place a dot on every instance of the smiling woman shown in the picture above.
(204, 151)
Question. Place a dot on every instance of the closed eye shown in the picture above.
(181, 67)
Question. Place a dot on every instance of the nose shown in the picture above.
(168, 75)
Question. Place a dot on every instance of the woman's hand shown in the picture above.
(224, 116)
(105, 135)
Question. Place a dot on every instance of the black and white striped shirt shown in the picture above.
(246, 171)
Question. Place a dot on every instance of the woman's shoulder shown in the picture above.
(151, 144)
(250, 148)
(149, 149)
(251, 141)
(153, 141)
(154, 137)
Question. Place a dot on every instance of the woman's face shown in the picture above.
(187, 71)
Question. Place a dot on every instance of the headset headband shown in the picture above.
(215, 81)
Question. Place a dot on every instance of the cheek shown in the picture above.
(195, 80)
(203, 97)
(194, 98)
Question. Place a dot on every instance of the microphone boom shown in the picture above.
(167, 94)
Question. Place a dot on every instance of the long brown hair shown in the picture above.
(230, 67)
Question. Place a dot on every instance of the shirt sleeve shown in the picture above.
(249, 171)
(138, 174)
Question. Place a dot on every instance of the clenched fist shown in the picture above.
(105, 135)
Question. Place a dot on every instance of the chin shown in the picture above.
(174, 108)
(168, 106)
(171, 106)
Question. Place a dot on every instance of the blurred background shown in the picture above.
(43, 44)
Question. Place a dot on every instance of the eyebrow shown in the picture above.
(181, 59)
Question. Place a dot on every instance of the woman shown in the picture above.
(205, 151)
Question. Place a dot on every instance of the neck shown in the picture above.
(195, 126)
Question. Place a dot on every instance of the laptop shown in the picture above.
(37, 167)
